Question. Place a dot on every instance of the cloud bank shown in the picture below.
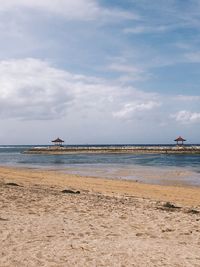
(32, 89)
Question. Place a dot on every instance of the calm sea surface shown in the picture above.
(161, 169)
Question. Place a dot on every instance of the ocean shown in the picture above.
(151, 168)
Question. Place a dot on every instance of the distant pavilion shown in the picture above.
(179, 141)
(58, 142)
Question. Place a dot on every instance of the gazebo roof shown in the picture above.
(58, 140)
(179, 139)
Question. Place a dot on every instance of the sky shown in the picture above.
(99, 71)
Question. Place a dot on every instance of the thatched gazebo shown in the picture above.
(58, 142)
(179, 141)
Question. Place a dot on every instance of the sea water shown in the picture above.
(148, 168)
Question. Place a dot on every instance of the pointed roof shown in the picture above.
(179, 139)
(58, 140)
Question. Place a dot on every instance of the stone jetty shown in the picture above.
(115, 149)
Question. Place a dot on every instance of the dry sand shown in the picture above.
(110, 223)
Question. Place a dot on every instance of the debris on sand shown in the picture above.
(68, 191)
(13, 184)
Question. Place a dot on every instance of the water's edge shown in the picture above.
(154, 168)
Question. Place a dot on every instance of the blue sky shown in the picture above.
(96, 71)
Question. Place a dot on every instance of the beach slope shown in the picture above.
(49, 218)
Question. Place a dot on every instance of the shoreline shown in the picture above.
(181, 194)
(150, 175)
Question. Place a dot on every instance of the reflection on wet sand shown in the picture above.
(145, 174)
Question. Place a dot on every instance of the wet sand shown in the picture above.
(110, 223)
(146, 174)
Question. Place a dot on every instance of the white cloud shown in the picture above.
(188, 98)
(33, 89)
(193, 57)
(70, 9)
(184, 45)
(186, 117)
(129, 72)
(124, 68)
(76, 9)
(129, 110)
(146, 29)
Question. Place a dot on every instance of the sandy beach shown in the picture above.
(95, 221)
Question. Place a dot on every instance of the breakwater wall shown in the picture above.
(115, 149)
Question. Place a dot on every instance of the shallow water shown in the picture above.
(156, 168)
